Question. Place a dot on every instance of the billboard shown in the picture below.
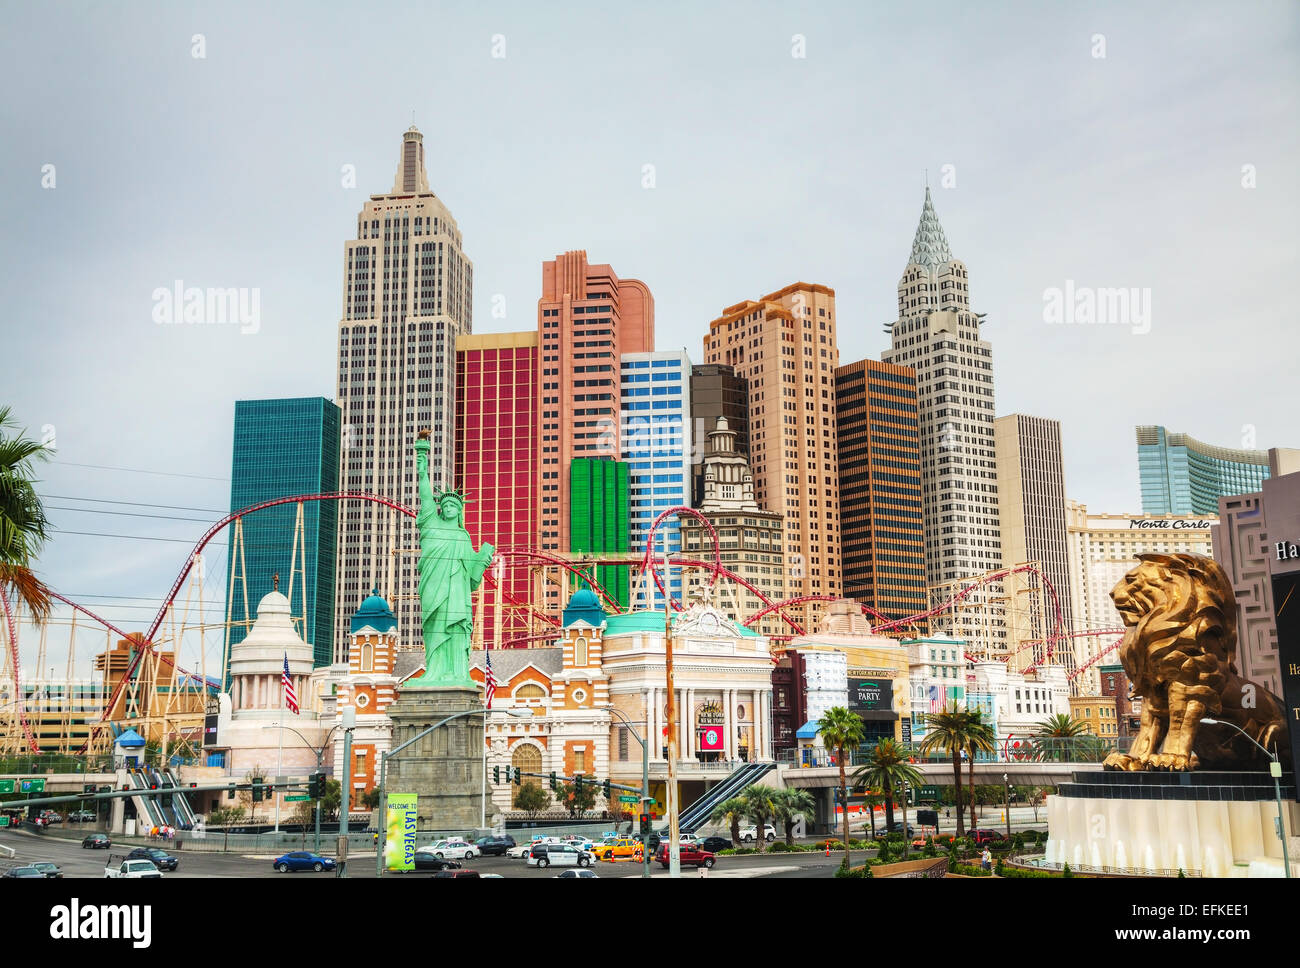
(399, 845)
(871, 695)
(210, 730)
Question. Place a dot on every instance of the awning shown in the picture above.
(807, 731)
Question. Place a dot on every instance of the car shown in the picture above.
(895, 828)
(430, 862)
(689, 854)
(574, 874)
(494, 846)
(715, 844)
(561, 855)
(162, 860)
(51, 816)
(302, 860)
(28, 872)
(81, 816)
(131, 869)
(96, 840)
(460, 873)
(748, 834)
(986, 837)
(458, 849)
(48, 869)
(519, 851)
(625, 848)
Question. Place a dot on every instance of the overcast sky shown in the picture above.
(1145, 146)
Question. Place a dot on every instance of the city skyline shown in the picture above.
(1067, 223)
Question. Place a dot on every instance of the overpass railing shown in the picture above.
(1057, 749)
(47, 763)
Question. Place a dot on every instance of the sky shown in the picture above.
(1150, 147)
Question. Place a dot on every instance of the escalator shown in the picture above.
(180, 802)
(146, 806)
(697, 814)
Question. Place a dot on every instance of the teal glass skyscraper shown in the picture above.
(284, 448)
(1181, 475)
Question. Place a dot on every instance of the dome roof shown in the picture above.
(584, 606)
(374, 613)
(273, 604)
(272, 633)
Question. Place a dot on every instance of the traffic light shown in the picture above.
(517, 780)
(577, 783)
(605, 789)
(645, 825)
(257, 789)
(316, 785)
(554, 785)
(496, 775)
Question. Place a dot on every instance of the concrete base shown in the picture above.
(445, 768)
(1213, 838)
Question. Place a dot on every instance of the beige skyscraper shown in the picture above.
(784, 346)
(407, 294)
(938, 335)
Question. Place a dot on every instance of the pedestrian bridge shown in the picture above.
(939, 772)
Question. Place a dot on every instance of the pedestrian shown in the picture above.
(986, 859)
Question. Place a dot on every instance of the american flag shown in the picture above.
(489, 679)
(936, 704)
(290, 697)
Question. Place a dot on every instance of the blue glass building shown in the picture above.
(1181, 475)
(283, 448)
(655, 442)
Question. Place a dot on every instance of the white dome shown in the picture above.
(273, 603)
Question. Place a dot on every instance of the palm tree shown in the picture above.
(789, 803)
(980, 739)
(841, 730)
(886, 769)
(1050, 730)
(948, 731)
(730, 811)
(23, 524)
(759, 806)
(872, 799)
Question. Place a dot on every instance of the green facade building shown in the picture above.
(599, 518)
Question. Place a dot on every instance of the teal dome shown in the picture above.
(584, 606)
(375, 613)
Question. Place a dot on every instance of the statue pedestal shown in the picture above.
(445, 768)
(1211, 823)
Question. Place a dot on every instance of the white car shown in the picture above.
(133, 869)
(519, 851)
(747, 834)
(574, 874)
(560, 855)
(451, 850)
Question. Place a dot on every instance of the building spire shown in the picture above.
(930, 247)
(411, 179)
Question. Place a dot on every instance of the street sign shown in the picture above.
(6, 786)
(296, 798)
(4, 821)
(625, 798)
(928, 793)
(32, 786)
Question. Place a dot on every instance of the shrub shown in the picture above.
(845, 871)
(1066, 872)
(999, 868)
(781, 847)
(970, 870)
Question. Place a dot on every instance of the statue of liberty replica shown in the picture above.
(450, 572)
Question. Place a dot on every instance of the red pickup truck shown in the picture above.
(690, 854)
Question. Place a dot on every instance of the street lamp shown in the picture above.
(1275, 770)
(517, 711)
(1006, 791)
(645, 782)
(320, 764)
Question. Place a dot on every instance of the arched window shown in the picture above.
(531, 694)
(367, 658)
(580, 651)
(528, 759)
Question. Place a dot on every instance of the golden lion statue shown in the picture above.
(1180, 654)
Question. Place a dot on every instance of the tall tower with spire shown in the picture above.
(938, 335)
(407, 294)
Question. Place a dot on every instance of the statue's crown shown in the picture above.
(458, 494)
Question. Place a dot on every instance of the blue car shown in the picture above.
(302, 860)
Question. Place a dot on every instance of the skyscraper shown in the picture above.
(496, 466)
(938, 335)
(881, 523)
(587, 318)
(1031, 505)
(656, 445)
(407, 294)
(283, 448)
(598, 520)
(784, 346)
(1181, 475)
(716, 392)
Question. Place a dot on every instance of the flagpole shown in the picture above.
(279, 754)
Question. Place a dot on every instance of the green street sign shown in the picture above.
(35, 785)
(296, 798)
(628, 798)
(4, 821)
(6, 786)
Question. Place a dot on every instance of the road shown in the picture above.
(64, 848)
